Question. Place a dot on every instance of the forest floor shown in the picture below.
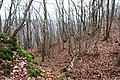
(87, 67)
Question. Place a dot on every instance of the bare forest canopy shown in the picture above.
(57, 17)
(35, 26)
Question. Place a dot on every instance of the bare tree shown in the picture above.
(107, 18)
(1, 2)
(22, 24)
(44, 30)
(0, 24)
(109, 22)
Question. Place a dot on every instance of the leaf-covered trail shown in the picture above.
(88, 67)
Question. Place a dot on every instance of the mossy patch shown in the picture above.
(9, 45)
(5, 69)
(32, 71)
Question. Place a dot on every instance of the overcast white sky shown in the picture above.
(50, 6)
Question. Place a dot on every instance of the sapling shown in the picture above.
(118, 59)
(95, 49)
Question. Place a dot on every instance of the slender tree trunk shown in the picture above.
(44, 31)
(1, 2)
(111, 18)
(107, 25)
(0, 24)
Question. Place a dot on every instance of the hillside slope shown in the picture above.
(88, 67)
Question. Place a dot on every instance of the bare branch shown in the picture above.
(25, 15)
(1, 2)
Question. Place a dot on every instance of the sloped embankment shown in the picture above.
(15, 62)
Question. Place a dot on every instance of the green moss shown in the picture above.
(2, 35)
(6, 54)
(10, 45)
(7, 46)
(38, 71)
(35, 62)
(29, 57)
(6, 69)
(33, 72)
(9, 57)
(28, 66)
(2, 55)
(11, 42)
